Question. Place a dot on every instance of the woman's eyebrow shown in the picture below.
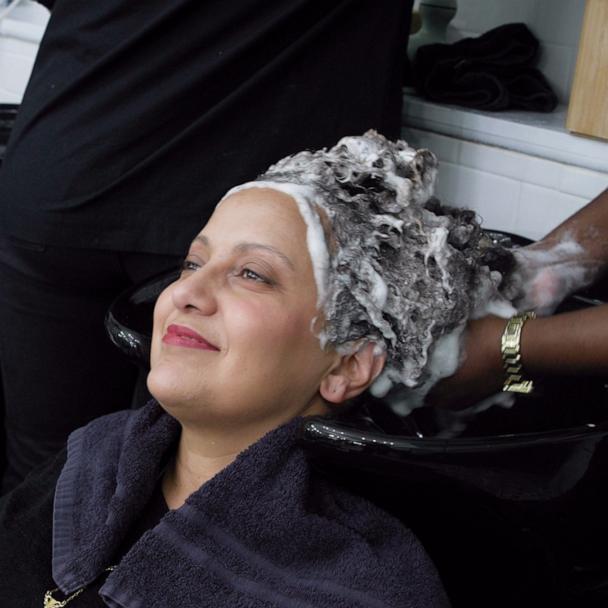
(244, 247)
(201, 238)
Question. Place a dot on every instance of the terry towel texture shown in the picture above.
(492, 72)
(266, 531)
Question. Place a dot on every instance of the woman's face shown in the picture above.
(232, 340)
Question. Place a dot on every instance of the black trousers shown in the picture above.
(59, 369)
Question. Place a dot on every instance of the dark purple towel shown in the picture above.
(265, 531)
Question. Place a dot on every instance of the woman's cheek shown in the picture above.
(263, 324)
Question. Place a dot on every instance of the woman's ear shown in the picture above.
(352, 374)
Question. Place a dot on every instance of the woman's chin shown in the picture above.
(168, 388)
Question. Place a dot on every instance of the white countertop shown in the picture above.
(538, 134)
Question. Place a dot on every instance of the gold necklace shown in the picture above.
(51, 602)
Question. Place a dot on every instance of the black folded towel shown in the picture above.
(492, 72)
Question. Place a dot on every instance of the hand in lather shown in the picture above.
(571, 257)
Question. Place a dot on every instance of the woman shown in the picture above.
(300, 290)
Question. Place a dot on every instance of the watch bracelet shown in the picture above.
(510, 350)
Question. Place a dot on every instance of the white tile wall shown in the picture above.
(509, 190)
(556, 23)
(582, 182)
(547, 173)
(494, 198)
(16, 62)
(20, 34)
(482, 15)
(542, 209)
(556, 62)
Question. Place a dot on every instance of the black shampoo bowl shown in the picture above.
(514, 510)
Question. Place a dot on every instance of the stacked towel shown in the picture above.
(492, 72)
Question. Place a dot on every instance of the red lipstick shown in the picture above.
(178, 335)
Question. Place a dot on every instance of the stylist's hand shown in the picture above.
(570, 257)
(546, 273)
(480, 373)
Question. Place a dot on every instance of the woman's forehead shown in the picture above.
(263, 211)
(265, 219)
(298, 205)
(260, 195)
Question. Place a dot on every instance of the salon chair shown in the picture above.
(513, 509)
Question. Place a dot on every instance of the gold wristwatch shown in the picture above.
(511, 355)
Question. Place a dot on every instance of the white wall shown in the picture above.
(20, 34)
(509, 190)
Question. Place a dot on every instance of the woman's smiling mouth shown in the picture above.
(179, 335)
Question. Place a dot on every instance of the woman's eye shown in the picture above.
(190, 265)
(247, 273)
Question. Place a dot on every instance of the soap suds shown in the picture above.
(443, 362)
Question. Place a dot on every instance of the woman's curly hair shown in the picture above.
(401, 269)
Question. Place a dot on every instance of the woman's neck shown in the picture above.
(195, 462)
(203, 451)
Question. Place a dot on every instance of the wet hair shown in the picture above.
(397, 267)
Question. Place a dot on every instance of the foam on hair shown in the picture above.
(392, 265)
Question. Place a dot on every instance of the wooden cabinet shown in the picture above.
(588, 109)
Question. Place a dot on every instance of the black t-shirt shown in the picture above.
(140, 115)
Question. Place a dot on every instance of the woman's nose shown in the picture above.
(195, 292)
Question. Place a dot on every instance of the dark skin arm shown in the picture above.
(564, 344)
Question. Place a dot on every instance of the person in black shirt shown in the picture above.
(136, 118)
